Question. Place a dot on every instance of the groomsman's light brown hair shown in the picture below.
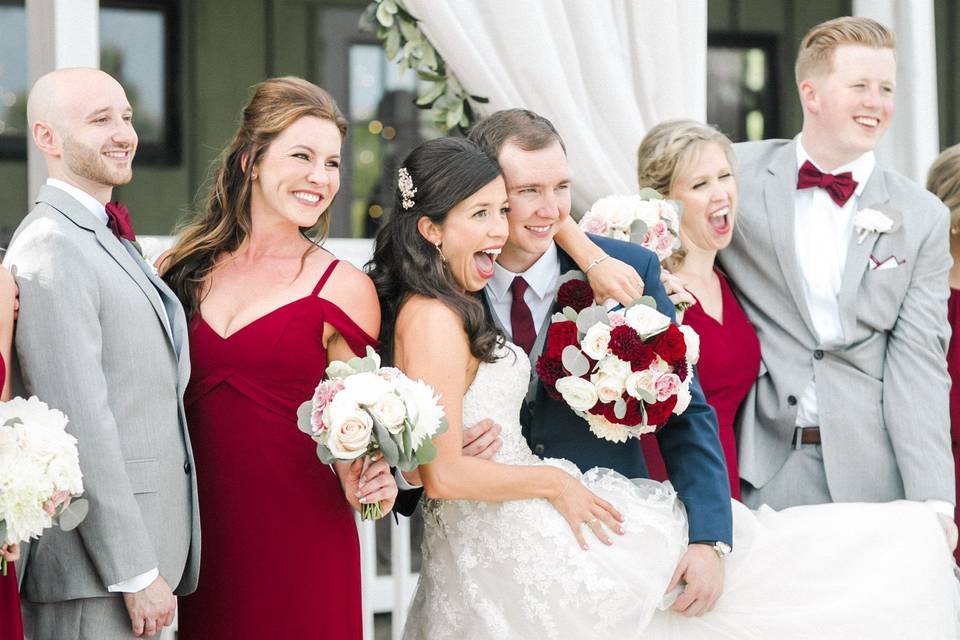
(816, 50)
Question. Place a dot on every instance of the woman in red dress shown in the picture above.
(692, 163)
(944, 181)
(11, 627)
(268, 309)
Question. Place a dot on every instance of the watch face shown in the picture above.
(722, 548)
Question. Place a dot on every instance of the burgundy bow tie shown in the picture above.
(839, 187)
(118, 221)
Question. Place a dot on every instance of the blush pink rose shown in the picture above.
(616, 319)
(594, 224)
(322, 396)
(666, 386)
(58, 498)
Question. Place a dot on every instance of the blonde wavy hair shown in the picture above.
(667, 151)
(223, 224)
(943, 180)
(816, 49)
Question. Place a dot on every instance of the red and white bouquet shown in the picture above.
(360, 407)
(39, 472)
(625, 371)
(646, 219)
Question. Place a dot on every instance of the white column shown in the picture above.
(913, 140)
(60, 33)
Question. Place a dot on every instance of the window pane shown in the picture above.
(13, 72)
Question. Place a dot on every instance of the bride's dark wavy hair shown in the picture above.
(445, 172)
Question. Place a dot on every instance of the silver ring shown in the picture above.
(591, 522)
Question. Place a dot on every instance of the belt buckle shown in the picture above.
(797, 438)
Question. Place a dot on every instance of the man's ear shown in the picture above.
(809, 96)
(431, 232)
(46, 138)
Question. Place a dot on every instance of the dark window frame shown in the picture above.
(770, 44)
(168, 151)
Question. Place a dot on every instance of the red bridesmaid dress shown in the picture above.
(728, 366)
(11, 627)
(953, 366)
(280, 556)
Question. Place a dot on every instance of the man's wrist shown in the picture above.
(721, 548)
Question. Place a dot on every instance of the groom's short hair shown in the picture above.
(528, 130)
(816, 49)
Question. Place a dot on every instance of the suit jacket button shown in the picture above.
(186, 467)
(818, 354)
(538, 449)
(792, 400)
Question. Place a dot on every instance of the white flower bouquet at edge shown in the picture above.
(39, 472)
(360, 407)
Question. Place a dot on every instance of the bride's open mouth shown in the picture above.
(484, 260)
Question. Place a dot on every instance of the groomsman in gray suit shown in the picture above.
(101, 338)
(842, 267)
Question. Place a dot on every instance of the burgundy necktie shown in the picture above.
(839, 187)
(521, 320)
(118, 220)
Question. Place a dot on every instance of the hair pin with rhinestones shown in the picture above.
(407, 190)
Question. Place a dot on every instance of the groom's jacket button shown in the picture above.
(538, 449)
(818, 354)
(792, 400)
(186, 467)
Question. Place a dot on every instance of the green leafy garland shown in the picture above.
(401, 36)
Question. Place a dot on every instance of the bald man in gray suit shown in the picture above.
(101, 338)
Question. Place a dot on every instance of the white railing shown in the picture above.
(391, 593)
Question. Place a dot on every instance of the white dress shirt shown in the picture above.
(541, 277)
(144, 580)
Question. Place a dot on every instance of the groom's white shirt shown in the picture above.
(541, 277)
(142, 581)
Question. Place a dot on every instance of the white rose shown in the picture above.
(366, 388)
(683, 398)
(578, 393)
(390, 411)
(609, 388)
(595, 343)
(349, 435)
(692, 340)
(614, 366)
(873, 220)
(642, 381)
(648, 211)
(646, 321)
(618, 211)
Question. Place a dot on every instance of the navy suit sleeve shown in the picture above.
(689, 443)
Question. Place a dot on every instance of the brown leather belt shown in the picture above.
(806, 435)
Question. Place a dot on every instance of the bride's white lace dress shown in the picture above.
(514, 570)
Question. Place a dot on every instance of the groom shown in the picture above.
(101, 338)
(521, 296)
(842, 265)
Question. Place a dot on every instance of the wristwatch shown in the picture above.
(722, 548)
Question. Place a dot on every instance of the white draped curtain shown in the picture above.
(603, 71)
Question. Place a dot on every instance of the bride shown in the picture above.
(505, 552)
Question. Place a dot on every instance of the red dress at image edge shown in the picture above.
(953, 366)
(280, 556)
(11, 628)
(728, 366)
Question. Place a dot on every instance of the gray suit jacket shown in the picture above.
(883, 395)
(101, 338)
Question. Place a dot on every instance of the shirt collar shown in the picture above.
(861, 167)
(89, 203)
(540, 276)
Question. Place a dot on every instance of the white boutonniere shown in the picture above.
(869, 221)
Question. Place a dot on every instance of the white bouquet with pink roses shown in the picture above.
(360, 407)
(646, 219)
(39, 472)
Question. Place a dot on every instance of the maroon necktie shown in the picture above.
(118, 221)
(521, 320)
(839, 187)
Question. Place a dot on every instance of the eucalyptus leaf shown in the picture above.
(384, 16)
(646, 395)
(638, 227)
(389, 448)
(426, 453)
(391, 45)
(649, 301)
(3, 531)
(572, 274)
(650, 194)
(570, 314)
(74, 514)
(304, 413)
(338, 369)
(574, 361)
(591, 316)
(324, 454)
(620, 408)
(558, 317)
(406, 443)
(12, 422)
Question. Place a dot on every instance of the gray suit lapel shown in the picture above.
(874, 196)
(779, 187)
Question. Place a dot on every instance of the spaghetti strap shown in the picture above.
(324, 277)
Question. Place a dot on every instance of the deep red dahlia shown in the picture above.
(659, 412)
(627, 345)
(550, 370)
(631, 418)
(670, 345)
(576, 294)
(559, 336)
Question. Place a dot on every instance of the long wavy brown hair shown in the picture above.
(223, 224)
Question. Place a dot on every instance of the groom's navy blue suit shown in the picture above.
(689, 442)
